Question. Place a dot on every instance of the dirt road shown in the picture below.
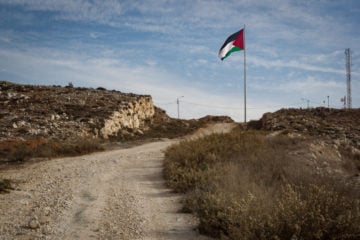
(117, 194)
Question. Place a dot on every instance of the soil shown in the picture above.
(117, 194)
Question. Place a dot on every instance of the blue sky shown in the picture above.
(165, 48)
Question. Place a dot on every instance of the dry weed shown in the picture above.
(19, 151)
(243, 186)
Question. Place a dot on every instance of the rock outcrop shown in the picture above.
(326, 142)
(339, 125)
(132, 115)
(28, 111)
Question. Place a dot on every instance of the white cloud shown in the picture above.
(50, 68)
(148, 25)
(168, 48)
(267, 63)
(277, 19)
(5, 39)
(309, 86)
(79, 10)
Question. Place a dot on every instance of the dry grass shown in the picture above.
(243, 185)
(5, 186)
(352, 158)
(20, 151)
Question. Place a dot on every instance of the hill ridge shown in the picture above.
(29, 111)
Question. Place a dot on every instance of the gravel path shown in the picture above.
(118, 194)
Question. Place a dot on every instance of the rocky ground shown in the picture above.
(28, 111)
(340, 125)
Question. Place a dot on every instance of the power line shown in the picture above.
(295, 104)
(238, 108)
(211, 106)
(165, 103)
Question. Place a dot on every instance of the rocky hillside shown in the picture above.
(339, 125)
(28, 111)
(327, 140)
(54, 112)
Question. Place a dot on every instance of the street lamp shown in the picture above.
(178, 106)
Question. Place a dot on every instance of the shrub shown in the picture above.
(5, 185)
(19, 151)
(73, 147)
(244, 185)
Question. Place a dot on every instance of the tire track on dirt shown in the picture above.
(119, 194)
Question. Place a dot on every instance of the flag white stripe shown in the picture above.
(226, 49)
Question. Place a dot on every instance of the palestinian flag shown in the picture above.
(232, 44)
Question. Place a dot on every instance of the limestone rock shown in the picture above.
(58, 112)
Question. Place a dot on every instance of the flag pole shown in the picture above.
(244, 78)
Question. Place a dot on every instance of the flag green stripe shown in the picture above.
(233, 49)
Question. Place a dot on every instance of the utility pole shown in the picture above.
(307, 101)
(343, 100)
(244, 78)
(348, 77)
(328, 101)
(178, 106)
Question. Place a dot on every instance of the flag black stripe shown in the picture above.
(230, 39)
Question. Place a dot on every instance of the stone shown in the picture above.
(34, 223)
(138, 131)
(47, 211)
(46, 230)
(44, 219)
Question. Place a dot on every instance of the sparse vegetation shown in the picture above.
(162, 126)
(173, 128)
(5, 186)
(352, 158)
(70, 85)
(244, 185)
(20, 151)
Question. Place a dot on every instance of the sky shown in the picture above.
(169, 49)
